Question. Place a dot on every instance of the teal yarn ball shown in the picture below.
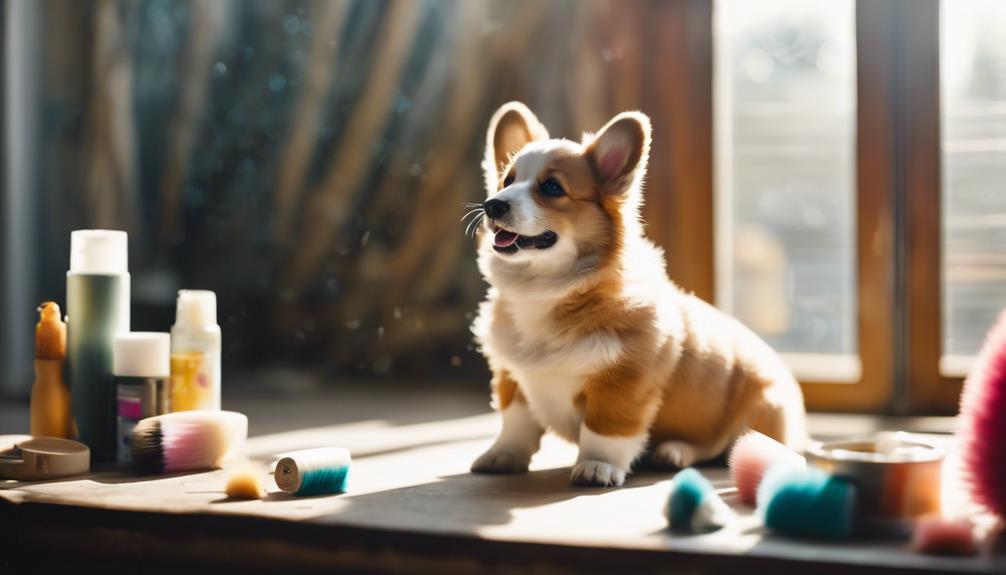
(807, 503)
(688, 490)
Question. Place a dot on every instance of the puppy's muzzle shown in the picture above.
(496, 209)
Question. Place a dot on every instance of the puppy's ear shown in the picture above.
(620, 151)
(511, 128)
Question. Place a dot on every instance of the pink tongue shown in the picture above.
(504, 238)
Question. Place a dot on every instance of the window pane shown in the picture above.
(973, 64)
(785, 169)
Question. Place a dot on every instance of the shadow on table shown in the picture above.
(465, 502)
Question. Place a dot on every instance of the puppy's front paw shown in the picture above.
(674, 453)
(498, 460)
(597, 474)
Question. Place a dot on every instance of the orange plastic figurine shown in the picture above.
(50, 398)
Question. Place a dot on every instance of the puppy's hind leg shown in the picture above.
(681, 454)
(519, 438)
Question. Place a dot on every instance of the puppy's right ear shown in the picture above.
(511, 128)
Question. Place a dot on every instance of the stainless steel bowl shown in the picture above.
(897, 476)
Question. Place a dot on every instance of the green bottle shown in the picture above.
(97, 307)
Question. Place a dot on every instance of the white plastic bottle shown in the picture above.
(195, 352)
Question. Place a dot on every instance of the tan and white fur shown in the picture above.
(585, 334)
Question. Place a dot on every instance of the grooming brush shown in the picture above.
(943, 537)
(186, 440)
(321, 471)
(807, 503)
(244, 481)
(751, 456)
(982, 432)
(694, 505)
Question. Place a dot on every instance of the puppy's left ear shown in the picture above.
(619, 152)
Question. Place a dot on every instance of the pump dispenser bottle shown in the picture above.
(97, 305)
(195, 352)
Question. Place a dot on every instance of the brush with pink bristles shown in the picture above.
(187, 440)
(983, 423)
(752, 455)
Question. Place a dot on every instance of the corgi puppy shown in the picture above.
(583, 331)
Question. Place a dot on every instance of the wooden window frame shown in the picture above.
(898, 191)
(927, 390)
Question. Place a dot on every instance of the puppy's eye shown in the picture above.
(508, 180)
(552, 188)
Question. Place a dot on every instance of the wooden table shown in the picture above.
(412, 506)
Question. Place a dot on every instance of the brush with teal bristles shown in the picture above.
(321, 471)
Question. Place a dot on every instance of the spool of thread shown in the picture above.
(807, 503)
(321, 471)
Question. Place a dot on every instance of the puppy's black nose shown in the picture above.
(496, 209)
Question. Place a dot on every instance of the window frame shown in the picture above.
(927, 388)
(898, 189)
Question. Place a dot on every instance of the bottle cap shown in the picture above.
(196, 309)
(99, 252)
(50, 332)
(142, 354)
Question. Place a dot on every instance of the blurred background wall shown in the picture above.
(306, 160)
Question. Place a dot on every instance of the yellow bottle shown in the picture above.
(50, 398)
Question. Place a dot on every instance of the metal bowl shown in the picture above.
(897, 476)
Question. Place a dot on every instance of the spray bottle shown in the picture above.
(50, 398)
(97, 302)
(195, 352)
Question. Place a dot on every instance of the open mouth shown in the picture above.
(507, 242)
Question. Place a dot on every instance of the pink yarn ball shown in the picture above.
(983, 423)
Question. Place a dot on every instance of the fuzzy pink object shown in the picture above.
(943, 537)
(751, 457)
(983, 423)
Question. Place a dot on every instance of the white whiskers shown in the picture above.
(477, 214)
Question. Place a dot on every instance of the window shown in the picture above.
(859, 214)
(973, 64)
(786, 176)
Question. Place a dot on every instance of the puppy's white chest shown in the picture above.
(552, 365)
(552, 397)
